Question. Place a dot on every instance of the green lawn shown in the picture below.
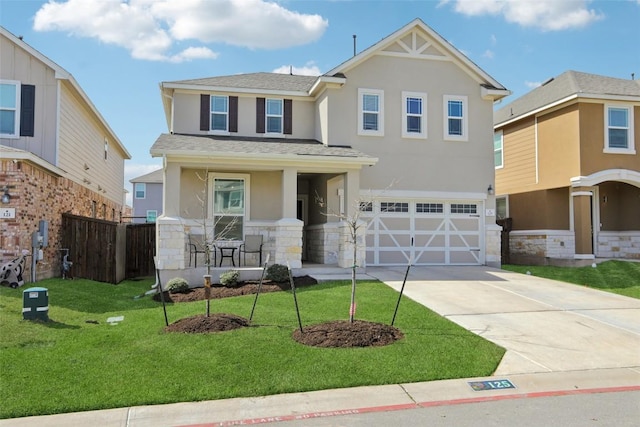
(620, 277)
(73, 364)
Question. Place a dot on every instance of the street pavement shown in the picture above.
(560, 340)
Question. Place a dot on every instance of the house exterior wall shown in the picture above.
(152, 202)
(592, 157)
(619, 206)
(551, 210)
(187, 114)
(81, 149)
(19, 65)
(519, 158)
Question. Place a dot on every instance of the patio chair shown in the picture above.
(196, 246)
(252, 245)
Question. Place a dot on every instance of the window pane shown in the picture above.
(455, 127)
(414, 106)
(228, 227)
(274, 107)
(618, 117)
(370, 103)
(370, 121)
(140, 190)
(501, 207)
(274, 124)
(8, 96)
(497, 141)
(219, 122)
(219, 104)
(7, 122)
(618, 138)
(228, 196)
(414, 124)
(497, 157)
(455, 108)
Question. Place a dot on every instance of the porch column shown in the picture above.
(288, 233)
(582, 222)
(351, 193)
(351, 207)
(171, 192)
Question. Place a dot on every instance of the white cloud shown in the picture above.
(532, 85)
(546, 15)
(488, 54)
(149, 29)
(309, 69)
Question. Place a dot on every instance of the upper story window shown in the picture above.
(140, 190)
(274, 115)
(618, 136)
(455, 118)
(414, 118)
(498, 149)
(219, 113)
(370, 112)
(9, 108)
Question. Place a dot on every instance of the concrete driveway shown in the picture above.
(545, 325)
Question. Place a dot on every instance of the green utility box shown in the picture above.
(35, 304)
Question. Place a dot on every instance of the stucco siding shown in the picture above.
(19, 65)
(519, 148)
(592, 133)
(81, 142)
(551, 210)
(619, 206)
(187, 115)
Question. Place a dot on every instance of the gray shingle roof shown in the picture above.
(264, 81)
(566, 84)
(151, 177)
(270, 147)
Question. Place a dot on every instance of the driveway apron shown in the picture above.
(545, 325)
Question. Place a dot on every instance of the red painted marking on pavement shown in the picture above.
(399, 407)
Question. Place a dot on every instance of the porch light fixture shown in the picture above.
(490, 190)
(6, 197)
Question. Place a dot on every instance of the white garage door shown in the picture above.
(429, 232)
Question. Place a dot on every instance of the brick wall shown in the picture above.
(41, 195)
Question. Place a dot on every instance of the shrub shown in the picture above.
(229, 278)
(278, 273)
(177, 284)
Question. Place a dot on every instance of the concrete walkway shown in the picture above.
(560, 339)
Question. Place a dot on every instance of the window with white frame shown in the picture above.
(152, 215)
(370, 112)
(413, 114)
(502, 207)
(455, 118)
(219, 113)
(140, 190)
(229, 205)
(274, 115)
(619, 129)
(498, 149)
(9, 108)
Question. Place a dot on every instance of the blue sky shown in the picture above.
(119, 51)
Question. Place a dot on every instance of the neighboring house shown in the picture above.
(57, 153)
(402, 131)
(147, 197)
(568, 168)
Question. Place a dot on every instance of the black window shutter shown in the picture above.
(260, 115)
(288, 116)
(205, 115)
(27, 110)
(233, 114)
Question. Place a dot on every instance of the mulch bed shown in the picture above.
(331, 334)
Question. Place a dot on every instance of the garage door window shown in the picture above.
(460, 208)
(394, 207)
(429, 208)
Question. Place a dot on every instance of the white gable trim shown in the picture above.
(622, 175)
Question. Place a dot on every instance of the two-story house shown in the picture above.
(568, 169)
(57, 154)
(399, 136)
(147, 197)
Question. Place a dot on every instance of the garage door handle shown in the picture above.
(475, 216)
(475, 250)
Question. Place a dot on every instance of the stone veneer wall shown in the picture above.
(42, 195)
(619, 244)
(493, 241)
(543, 243)
(323, 243)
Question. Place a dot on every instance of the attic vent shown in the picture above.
(547, 82)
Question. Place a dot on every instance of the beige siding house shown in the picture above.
(399, 136)
(568, 169)
(58, 154)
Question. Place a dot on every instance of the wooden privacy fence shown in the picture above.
(106, 251)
